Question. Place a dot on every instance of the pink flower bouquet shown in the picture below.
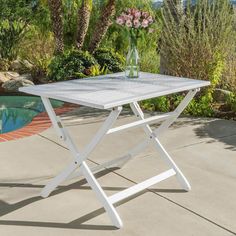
(134, 18)
(134, 21)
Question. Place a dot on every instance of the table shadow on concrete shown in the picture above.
(78, 223)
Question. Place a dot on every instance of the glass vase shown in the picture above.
(132, 60)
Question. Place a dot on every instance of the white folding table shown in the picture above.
(111, 92)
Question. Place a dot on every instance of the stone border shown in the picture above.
(40, 123)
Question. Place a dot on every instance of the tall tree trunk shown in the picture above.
(83, 22)
(175, 7)
(102, 25)
(56, 12)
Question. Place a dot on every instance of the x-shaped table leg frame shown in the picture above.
(79, 158)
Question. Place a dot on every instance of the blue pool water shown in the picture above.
(18, 111)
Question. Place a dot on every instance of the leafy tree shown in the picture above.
(15, 17)
(17, 10)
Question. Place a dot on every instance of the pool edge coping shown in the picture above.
(39, 123)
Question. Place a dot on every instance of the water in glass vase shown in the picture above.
(132, 62)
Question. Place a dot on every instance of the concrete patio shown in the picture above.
(204, 149)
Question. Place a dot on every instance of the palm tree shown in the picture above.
(102, 25)
(83, 22)
(56, 12)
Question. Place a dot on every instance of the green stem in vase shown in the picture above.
(133, 60)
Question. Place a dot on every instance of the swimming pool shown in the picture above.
(18, 111)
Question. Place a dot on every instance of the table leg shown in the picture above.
(80, 157)
(152, 135)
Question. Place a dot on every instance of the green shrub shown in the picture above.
(4, 64)
(15, 10)
(10, 35)
(71, 65)
(197, 107)
(110, 59)
(201, 106)
(37, 48)
(161, 104)
(70, 20)
(197, 41)
(97, 70)
(15, 17)
(228, 81)
(149, 60)
(231, 101)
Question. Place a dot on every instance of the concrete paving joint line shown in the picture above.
(200, 142)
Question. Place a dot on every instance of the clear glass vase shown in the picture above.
(132, 60)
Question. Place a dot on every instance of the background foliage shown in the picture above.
(71, 64)
(197, 41)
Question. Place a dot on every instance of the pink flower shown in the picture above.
(134, 18)
(129, 23)
(145, 23)
(130, 17)
(120, 21)
(137, 14)
(126, 17)
(145, 14)
(136, 23)
(150, 19)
